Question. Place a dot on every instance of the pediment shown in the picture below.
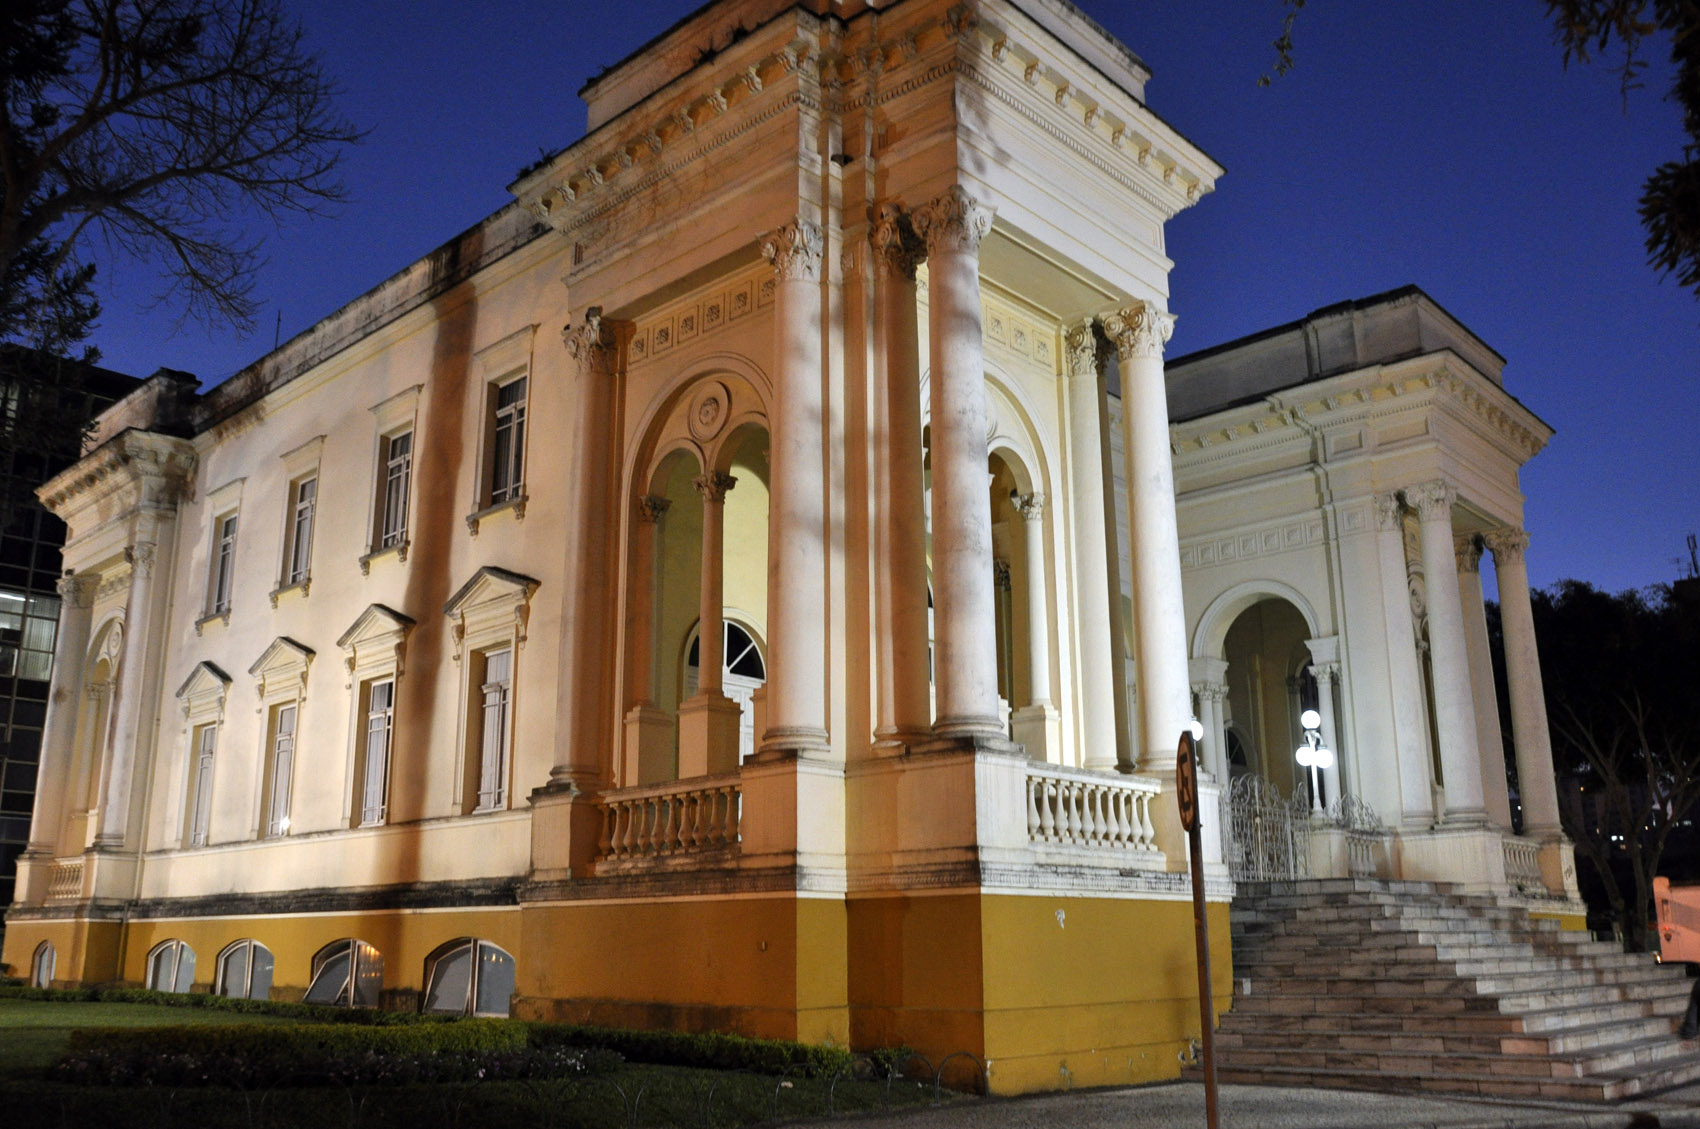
(494, 605)
(377, 624)
(283, 664)
(491, 585)
(206, 679)
(374, 641)
(203, 692)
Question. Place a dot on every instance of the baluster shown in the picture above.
(1147, 833)
(621, 843)
(1032, 810)
(728, 800)
(736, 817)
(1047, 810)
(1068, 811)
(1118, 817)
(605, 837)
(666, 816)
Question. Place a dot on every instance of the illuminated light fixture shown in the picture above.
(1313, 754)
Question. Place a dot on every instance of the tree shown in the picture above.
(1587, 29)
(1620, 672)
(142, 130)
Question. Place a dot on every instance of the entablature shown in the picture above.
(134, 470)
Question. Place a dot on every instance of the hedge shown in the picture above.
(317, 1013)
(714, 1050)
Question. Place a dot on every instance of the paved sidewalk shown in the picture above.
(1180, 1105)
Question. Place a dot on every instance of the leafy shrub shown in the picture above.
(317, 1013)
(714, 1050)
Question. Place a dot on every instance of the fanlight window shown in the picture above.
(43, 965)
(245, 971)
(469, 977)
(171, 967)
(346, 973)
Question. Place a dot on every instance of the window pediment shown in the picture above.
(203, 692)
(282, 668)
(375, 640)
(494, 604)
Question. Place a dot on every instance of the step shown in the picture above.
(1606, 1087)
(1594, 1038)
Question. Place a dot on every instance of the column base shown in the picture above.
(648, 750)
(791, 743)
(971, 728)
(566, 827)
(1038, 728)
(708, 735)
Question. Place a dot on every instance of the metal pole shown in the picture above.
(1187, 794)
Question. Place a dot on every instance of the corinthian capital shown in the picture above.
(897, 247)
(1388, 509)
(1139, 330)
(1030, 506)
(713, 486)
(140, 556)
(953, 221)
(1432, 500)
(77, 591)
(651, 507)
(1080, 344)
(795, 250)
(1506, 544)
(590, 342)
(1468, 550)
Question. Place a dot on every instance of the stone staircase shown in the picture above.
(1366, 984)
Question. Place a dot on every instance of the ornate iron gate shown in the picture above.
(1268, 835)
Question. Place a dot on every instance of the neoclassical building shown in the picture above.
(757, 580)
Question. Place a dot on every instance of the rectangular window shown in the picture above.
(493, 751)
(200, 792)
(398, 470)
(283, 769)
(303, 501)
(507, 476)
(224, 565)
(380, 724)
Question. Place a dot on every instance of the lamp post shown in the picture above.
(1314, 755)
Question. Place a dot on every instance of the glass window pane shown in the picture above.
(369, 976)
(495, 980)
(260, 982)
(233, 976)
(331, 979)
(450, 977)
(185, 968)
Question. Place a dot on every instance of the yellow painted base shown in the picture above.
(1569, 922)
(1047, 991)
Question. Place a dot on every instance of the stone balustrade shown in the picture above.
(1090, 809)
(1523, 862)
(677, 817)
(65, 880)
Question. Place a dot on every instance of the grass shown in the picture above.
(33, 1033)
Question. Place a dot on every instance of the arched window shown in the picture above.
(346, 973)
(43, 965)
(742, 673)
(469, 977)
(171, 967)
(245, 971)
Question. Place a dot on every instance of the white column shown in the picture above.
(65, 694)
(1209, 682)
(1467, 549)
(130, 705)
(903, 709)
(711, 639)
(1031, 507)
(797, 532)
(1523, 673)
(1325, 674)
(1096, 613)
(645, 596)
(1454, 702)
(648, 729)
(965, 636)
(1165, 708)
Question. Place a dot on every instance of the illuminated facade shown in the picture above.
(742, 656)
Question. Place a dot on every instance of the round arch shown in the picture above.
(1211, 632)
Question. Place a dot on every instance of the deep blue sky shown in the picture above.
(1439, 142)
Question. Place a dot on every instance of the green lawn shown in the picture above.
(34, 1032)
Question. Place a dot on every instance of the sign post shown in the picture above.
(1186, 792)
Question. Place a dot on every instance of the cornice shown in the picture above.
(1365, 396)
(158, 465)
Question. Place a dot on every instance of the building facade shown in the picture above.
(742, 655)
